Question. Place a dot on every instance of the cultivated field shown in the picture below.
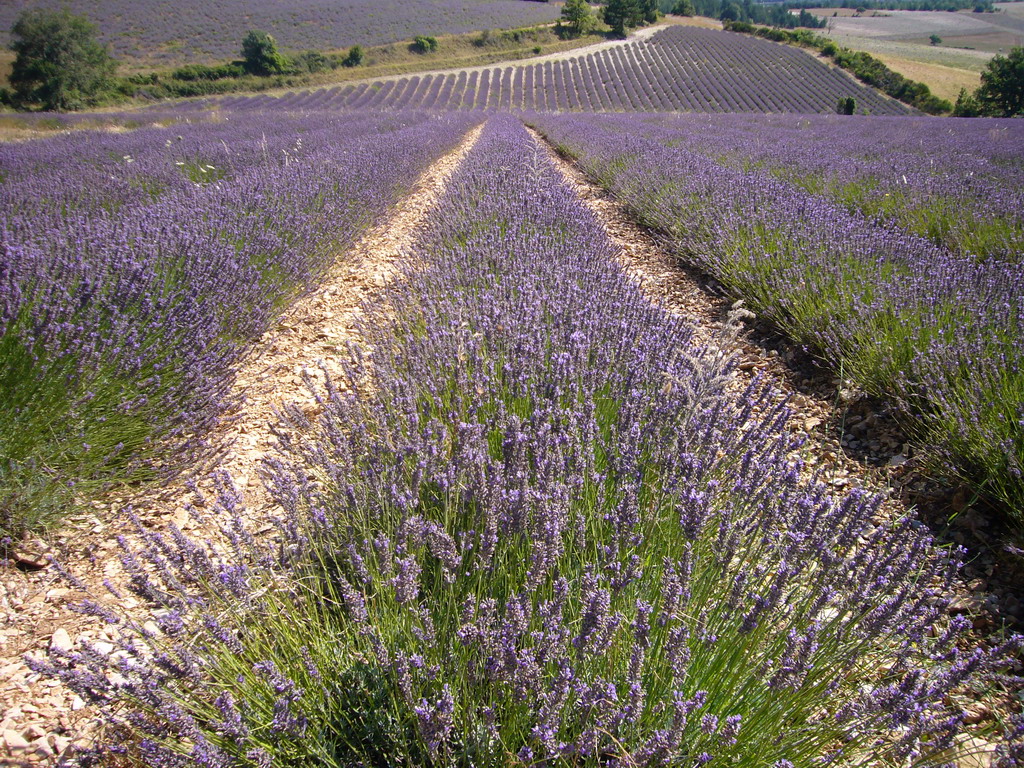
(679, 68)
(901, 40)
(162, 33)
(537, 428)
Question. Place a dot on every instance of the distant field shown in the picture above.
(159, 33)
(901, 40)
(680, 68)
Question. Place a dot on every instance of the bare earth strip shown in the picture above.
(40, 716)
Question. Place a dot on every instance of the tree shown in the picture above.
(259, 51)
(619, 14)
(1002, 85)
(59, 64)
(577, 16)
(649, 11)
(731, 12)
(934, 39)
(846, 106)
(683, 8)
(354, 57)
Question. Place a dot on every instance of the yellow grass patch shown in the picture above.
(944, 81)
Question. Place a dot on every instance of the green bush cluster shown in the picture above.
(423, 44)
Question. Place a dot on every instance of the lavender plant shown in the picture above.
(937, 331)
(537, 529)
(138, 269)
(955, 182)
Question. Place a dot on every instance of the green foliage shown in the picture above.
(934, 39)
(966, 105)
(311, 62)
(194, 72)
(731, 12)
(260, 55)
(354, 57)
(59, 64)
(424, 44)
(577, 16)
(621, 14)
(829, 49)
(683, 8)
(1001, 93)
(846, 106)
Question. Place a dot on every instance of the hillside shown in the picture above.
(161, 33)
(676, 69)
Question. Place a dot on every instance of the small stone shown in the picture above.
(811, 423)
(77, 703)
(898, 460)
(15, 741)
(61, 641)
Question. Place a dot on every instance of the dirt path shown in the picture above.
(41, 717)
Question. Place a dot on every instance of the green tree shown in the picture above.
(731, 12)
(354, 57)
(620, 14)
(577, 16)
(683, 8)
(1002, 85)
(934, 39)
(649, 11)
(260, 54)
(59, 64)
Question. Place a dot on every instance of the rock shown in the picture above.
(61, 641)
(898, 460)
(77, 703)
(811, 423)
(14, 741)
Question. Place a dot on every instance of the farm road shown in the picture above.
(41, 717)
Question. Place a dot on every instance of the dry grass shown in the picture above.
(693, 21)
(945, 82)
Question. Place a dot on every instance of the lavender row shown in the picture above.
(137, 270)
(957, 182)
(679, 68)
(536, 529)
(172, 32)
(941, 333)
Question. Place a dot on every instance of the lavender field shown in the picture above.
(935, 324)
(502, 503)
(533, 524)
(687, 69)
(169, 33)
(137, 270)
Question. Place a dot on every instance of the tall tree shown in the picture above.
(59, 64)
(1002, 85)
(259, 50)
(649, 11)
(577, 16)
(619, 14)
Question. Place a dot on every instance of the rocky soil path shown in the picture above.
(40, 718)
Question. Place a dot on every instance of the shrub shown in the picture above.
(59, 64)
(354, 57)
(260, 55)
(423, 44)
(846, 106)
(193, 72)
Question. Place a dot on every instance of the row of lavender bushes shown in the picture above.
(537, 528)
(940, 332)
(137, 269)
(956, 183)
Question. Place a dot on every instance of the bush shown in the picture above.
(260, 55)
(354, 57)
(829, 49)
(846, 106)
(423, 44)
(194, 72)
(59, 64)
(311, 62)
